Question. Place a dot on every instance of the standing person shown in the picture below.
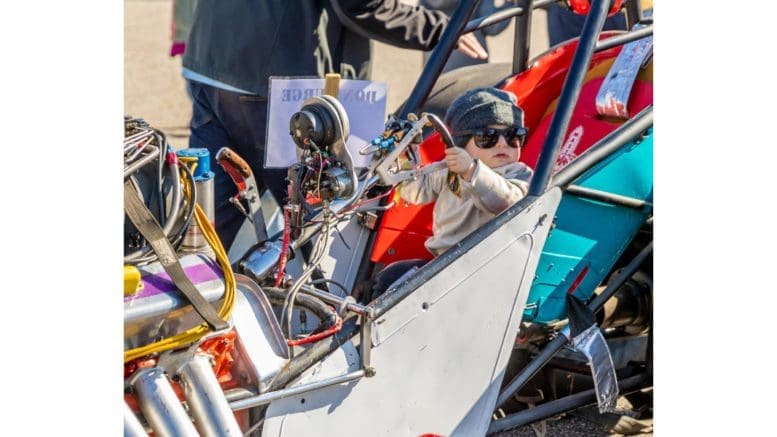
(182, 21)
(233, 48)
(484, 8)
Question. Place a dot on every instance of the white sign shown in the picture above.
(364, 102)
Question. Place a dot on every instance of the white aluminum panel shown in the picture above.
(440, 354)
(343, 255)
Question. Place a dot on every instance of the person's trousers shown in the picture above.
(223, 118)
(390, 274)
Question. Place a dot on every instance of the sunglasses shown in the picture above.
(487, 137)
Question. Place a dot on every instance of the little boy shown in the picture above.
(487, 127)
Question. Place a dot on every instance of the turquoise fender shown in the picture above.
(589, 236)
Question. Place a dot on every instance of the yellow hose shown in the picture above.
(194, 334)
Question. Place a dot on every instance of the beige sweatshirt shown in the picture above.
(491, 191)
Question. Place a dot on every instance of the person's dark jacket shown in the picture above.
(244, 42)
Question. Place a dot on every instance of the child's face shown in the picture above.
(502, 153)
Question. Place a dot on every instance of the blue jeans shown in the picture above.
(223, 118)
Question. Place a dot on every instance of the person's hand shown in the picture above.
(460, 162)
(470, 46)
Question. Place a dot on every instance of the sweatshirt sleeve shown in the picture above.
(424, 189)
(392, 22)
(491, 192)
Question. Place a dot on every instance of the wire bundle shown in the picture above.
(143, 147)
(185, 193)
(195, 334)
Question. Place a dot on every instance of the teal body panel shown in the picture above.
(589, 236)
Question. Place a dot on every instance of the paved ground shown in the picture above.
(154, 90)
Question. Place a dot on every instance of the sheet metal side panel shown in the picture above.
(440, 353)
(344, 253)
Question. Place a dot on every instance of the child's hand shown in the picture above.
(460, 162)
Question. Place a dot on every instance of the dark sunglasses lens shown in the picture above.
(517, 137)
(487, 138)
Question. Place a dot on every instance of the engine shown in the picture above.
(198, 335)
(180, 371)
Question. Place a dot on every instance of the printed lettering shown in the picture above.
(567, 152)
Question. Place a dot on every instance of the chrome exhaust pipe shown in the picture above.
(160, 405)
(132, 426)
(207, 403)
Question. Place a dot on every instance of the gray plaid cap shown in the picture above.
(481, 107)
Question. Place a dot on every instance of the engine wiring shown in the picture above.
(317, 253)
(330, 281)
(142, 146)
(195, 334)
(331, 322)
(284, 247)
(146, 254)
(319, 336)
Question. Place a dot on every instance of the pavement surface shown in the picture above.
(154, 90)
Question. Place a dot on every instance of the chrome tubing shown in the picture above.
(159, 404)
(132, 426)
(206, 400)
(135, 166)
(335, 300)
(194, 241)
(260, 261)
(272, 396)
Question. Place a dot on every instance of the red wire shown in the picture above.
(362, 202)
(316, 337)
(284, 247)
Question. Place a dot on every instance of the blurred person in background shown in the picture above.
(564, 24)
(484, 8)
(183, 12)
(234, 47)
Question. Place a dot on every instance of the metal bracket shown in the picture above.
(368, 219)
(366, 341)
(171, 361)
(247, 189)
(388, 170)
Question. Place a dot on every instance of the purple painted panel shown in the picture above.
(161, 282)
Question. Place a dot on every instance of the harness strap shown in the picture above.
(146, 223)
